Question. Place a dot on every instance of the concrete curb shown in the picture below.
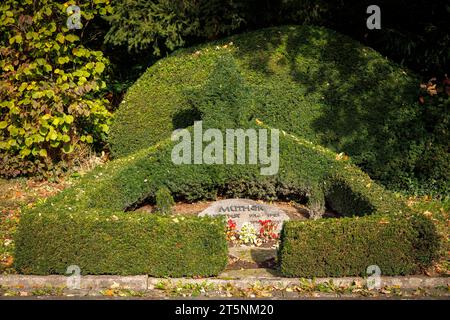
(406, 283)
(143, 282)
(86, 282)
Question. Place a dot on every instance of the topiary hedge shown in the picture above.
(399, 245)
(108, 242)
(86, 224)
(312, 82)
(353, 194)
(306, 173)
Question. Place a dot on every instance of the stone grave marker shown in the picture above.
(246, 210)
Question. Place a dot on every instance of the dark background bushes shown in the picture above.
(412, 32)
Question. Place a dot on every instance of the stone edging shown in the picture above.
(143, 282)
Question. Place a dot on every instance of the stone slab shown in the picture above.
(239, 278)
(86, 282)
(246, 210)
(253, 254)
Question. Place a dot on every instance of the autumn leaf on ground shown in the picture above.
(108, 293)
(8, 262)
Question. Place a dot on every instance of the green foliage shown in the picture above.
(304, 167)
(123, 183)
(164, 200)
(353, 194)
(398, 244)
(421, 45)
(435, 114)
(167, 23)
(164, 25)
(105, 242)
(225, 93)
(312, 82)
(49, 86)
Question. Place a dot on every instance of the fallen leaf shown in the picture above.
(108, 293)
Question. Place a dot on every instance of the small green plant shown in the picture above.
(164, 201)
(47, 291)
(248, 233)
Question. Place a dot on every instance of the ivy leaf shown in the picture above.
(72, 38)
(65, 138)
(25, 152)
(62, 60)
(89, 139)
(67, 148)
(60, 38)
(68, 119)
(99, 67)
(52, 135)
(43, 153)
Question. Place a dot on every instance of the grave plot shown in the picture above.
(95, 225)
(108, 237)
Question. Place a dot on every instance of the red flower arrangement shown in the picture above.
(231, 231)
(267, 230)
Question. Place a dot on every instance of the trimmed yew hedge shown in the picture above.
(106, 242)
(91, 225)
(398, 244)
(354, 194)
(310, 81)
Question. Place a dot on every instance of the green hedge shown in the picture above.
(306, 174)
(398, 244)
(312, 82)
(102, 242)
(90, 225)
(354, 194)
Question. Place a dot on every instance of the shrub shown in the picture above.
(166, 24)
(398, 244)
(353, 194)
(164, 200)
(306, 174)
(105, 242)
(49, 86)
(312, 82)
(94, 204)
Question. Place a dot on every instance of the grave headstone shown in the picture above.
(246, 210)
